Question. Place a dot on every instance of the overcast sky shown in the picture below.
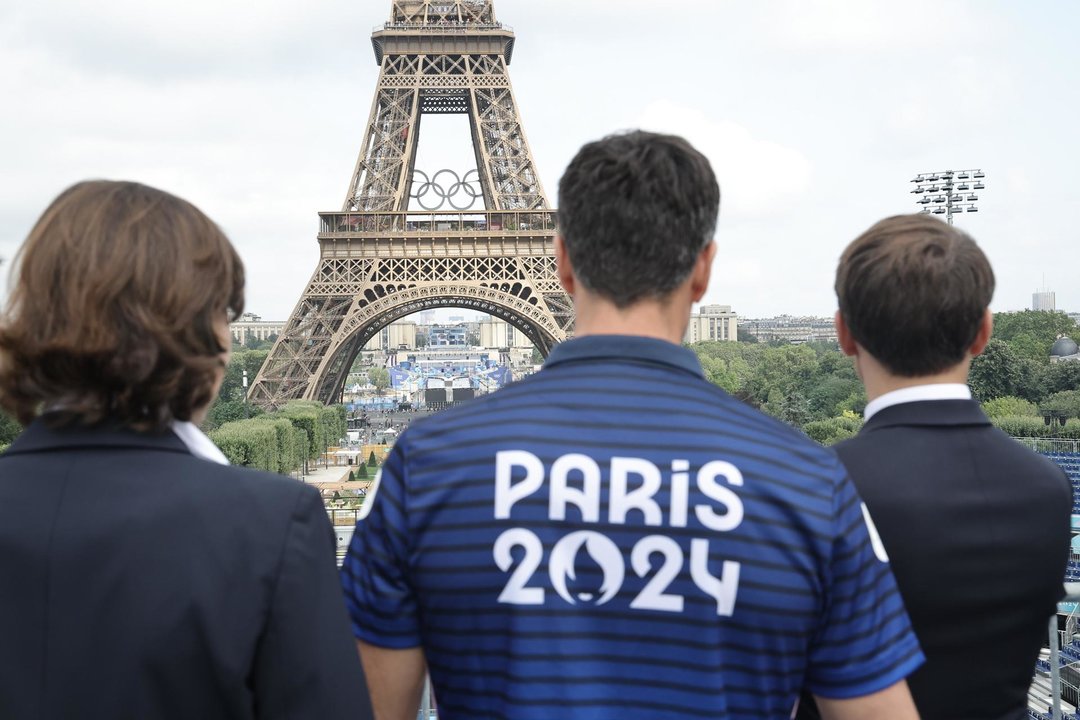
(815, 114)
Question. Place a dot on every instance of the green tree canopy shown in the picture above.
(1010, 406)
(1065, 403)
(833, 430)
(380, 378)
(1032, 333)
(1029, 427)
(745, 336)
(324, 425)
(999, 371)
(9, 429)
(232, 387)
(831, 395)
(1061, 377)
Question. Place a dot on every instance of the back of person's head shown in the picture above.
(120, 306)
(913, 292)
(635, 212)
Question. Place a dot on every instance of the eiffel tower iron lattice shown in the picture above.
(379, 261)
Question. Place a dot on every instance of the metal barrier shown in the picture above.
(1060, 640)
(1050, 445)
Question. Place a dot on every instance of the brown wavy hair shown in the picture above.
(118, 297)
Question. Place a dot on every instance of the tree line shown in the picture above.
(814, 387)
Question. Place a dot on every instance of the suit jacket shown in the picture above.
(138, 582)
(977, 528)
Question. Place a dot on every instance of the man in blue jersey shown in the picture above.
(615, 537)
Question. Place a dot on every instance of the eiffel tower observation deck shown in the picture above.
(472, 22)
(379, 259)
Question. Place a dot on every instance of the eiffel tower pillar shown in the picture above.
(380, 262)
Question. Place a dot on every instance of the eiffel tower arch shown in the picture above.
(379, 261)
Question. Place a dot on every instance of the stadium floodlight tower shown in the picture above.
(949, 193)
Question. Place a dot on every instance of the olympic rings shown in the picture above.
(469, 187)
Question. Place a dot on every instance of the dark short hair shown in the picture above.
(118, 292)
(635, 212)
(913, 291)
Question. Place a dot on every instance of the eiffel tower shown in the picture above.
(380, 261)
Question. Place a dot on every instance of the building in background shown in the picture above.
(713, 323)
(789, 329)
(252, 327)
(497, 334)
(1044, 300)
(448, 336)
(400, 335)
(1065, 350)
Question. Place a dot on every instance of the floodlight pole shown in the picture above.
(949, 192)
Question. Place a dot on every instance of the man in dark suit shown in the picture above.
(975, 525)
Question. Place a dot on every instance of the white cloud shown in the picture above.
(756, 176)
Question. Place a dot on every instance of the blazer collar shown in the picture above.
(929, 413)
(39, 437)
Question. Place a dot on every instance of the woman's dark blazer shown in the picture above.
(140, 582)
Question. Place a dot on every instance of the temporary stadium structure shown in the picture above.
(1055, 689)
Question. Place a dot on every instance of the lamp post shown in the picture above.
(948, 193)
(245, 382)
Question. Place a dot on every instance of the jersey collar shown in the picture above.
(633, 348)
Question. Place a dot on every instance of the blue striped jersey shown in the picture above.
(615, 537)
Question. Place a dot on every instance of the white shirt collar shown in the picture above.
(197, 442)
(919, 393)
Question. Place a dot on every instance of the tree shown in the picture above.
(833, 430)
(1032, 333)
(831, 396)
(380, 378)
(1061, 377)
(717, 372)
(1029, 427)
(362, 473)
(1064, 404)
(232, 387)
(790, 407)
(1010, 406)
(323, 425)
(226, 411)
(745, 336)
(372, 460)
(9, 429)
(997, 372)
(783, 370)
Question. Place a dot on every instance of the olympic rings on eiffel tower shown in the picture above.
(468, 188)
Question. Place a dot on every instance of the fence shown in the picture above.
(1050, 445)
(1056, 684)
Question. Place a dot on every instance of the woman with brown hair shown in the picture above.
(140, 575)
